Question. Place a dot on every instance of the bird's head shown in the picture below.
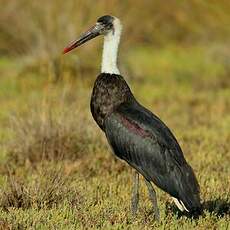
(105, 25)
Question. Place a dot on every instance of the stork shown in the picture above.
(135, 134)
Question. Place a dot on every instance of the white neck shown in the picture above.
(110, 49)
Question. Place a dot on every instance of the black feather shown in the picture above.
(141, 139)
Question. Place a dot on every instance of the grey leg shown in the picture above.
(135, 193)
(153, 198)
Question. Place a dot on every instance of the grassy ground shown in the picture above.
(56, 169)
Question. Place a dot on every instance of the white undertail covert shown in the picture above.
(180, 204)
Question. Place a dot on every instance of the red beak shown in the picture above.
(90, 34)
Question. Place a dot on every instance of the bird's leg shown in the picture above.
(153, 198)
(135, 193)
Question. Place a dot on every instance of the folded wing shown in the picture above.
(144, 141)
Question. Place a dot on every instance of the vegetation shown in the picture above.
(56, 169)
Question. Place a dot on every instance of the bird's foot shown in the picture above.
(153, 198)
(135, 194)
(134, 204)
(157, 214)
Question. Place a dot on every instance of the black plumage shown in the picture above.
(140, 138)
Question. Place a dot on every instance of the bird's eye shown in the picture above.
(109, 26)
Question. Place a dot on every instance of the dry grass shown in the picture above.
(46, 189)
(44, 139)
(92, 189)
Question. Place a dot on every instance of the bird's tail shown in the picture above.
(189, 195)
(180, 204)
(196, 210)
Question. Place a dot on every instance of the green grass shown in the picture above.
(57, 171)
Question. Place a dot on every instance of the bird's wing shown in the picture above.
(144, 141)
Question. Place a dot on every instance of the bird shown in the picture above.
(135, 134)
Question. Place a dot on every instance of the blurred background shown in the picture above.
(36, 32)
(175, 55)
